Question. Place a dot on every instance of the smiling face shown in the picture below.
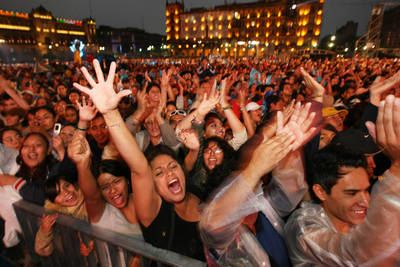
(212, 155)
(34, 150)
(154, 94)
(12, 139)
(347, 203)
(114, 189)
(66, 134)
(214, 127)
(169, 178)
(67, 194)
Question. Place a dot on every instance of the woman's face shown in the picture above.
(67, 194)
(66, 134)
(169, 178)
(114, 189)
(34, 151)
(214, 127)
(59, 108)
(11, 120)
(212, 155)
(71, 116)
(12, 139)
(154, 94)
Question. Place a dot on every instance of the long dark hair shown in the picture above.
(117, 169)
(42, 170)
(217, 175)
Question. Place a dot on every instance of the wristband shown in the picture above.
(227, 107)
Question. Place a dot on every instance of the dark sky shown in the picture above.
(150, 14)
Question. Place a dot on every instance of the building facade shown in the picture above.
(127, 40)
(248, 29)
(39, 32)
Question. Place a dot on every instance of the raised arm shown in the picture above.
(147, 201)
(6, 86)
(79, 152)
(234, 122)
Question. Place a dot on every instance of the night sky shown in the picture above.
(150, 14)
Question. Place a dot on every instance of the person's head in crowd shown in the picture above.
(154, 94)
(274, 103)
(8, 103)
(74, 96)
(168, 174)
(170, 107)
(125, 107)
(62, 90)
(28, 97)
(255, 111)
(219, 160)
(215, 151)
(113, 181)
(98, 130)
(335, 117)
(213, 126)
(31, 118)
(66, 134)
(59, 108)
(152, 126)
(41, 102)
(62, 191)
(205, 87)
(13, 117)
(71, 115)
(126, 83)
(340, 183)
(34, 157)
(286, 90)
(361, 143)
(176, 116)
(45, 117)
(11, 137)
(328, 132)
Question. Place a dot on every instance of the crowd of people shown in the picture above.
(234, 162)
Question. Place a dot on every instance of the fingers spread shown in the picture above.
(99, 72)
(82, 88)
(88, 77)
(111, 73)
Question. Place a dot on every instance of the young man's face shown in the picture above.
(347, 203)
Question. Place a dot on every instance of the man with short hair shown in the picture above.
(345, 226)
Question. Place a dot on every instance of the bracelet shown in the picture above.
(227, 107)
(317, 95)
(81, 129)
(113, 125)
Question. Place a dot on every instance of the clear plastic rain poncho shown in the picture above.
(312, 239)
(228, 242)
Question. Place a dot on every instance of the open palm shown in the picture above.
(102, 92)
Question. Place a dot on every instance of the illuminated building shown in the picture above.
(38, 32)
(245, 29)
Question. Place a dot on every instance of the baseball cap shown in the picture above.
(356, 141)
(254, 106)
(330, 111)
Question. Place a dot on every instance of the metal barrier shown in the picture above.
(112, 249)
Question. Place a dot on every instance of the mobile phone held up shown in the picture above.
(57, 128)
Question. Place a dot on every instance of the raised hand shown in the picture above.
(79, 150)
(87, 111)
(386, 132)
(299, 124)
(102, 92)
(209, 102)
(48, 220)
(269, 153)
(190, 139)
(317, 89)
(380, 85)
